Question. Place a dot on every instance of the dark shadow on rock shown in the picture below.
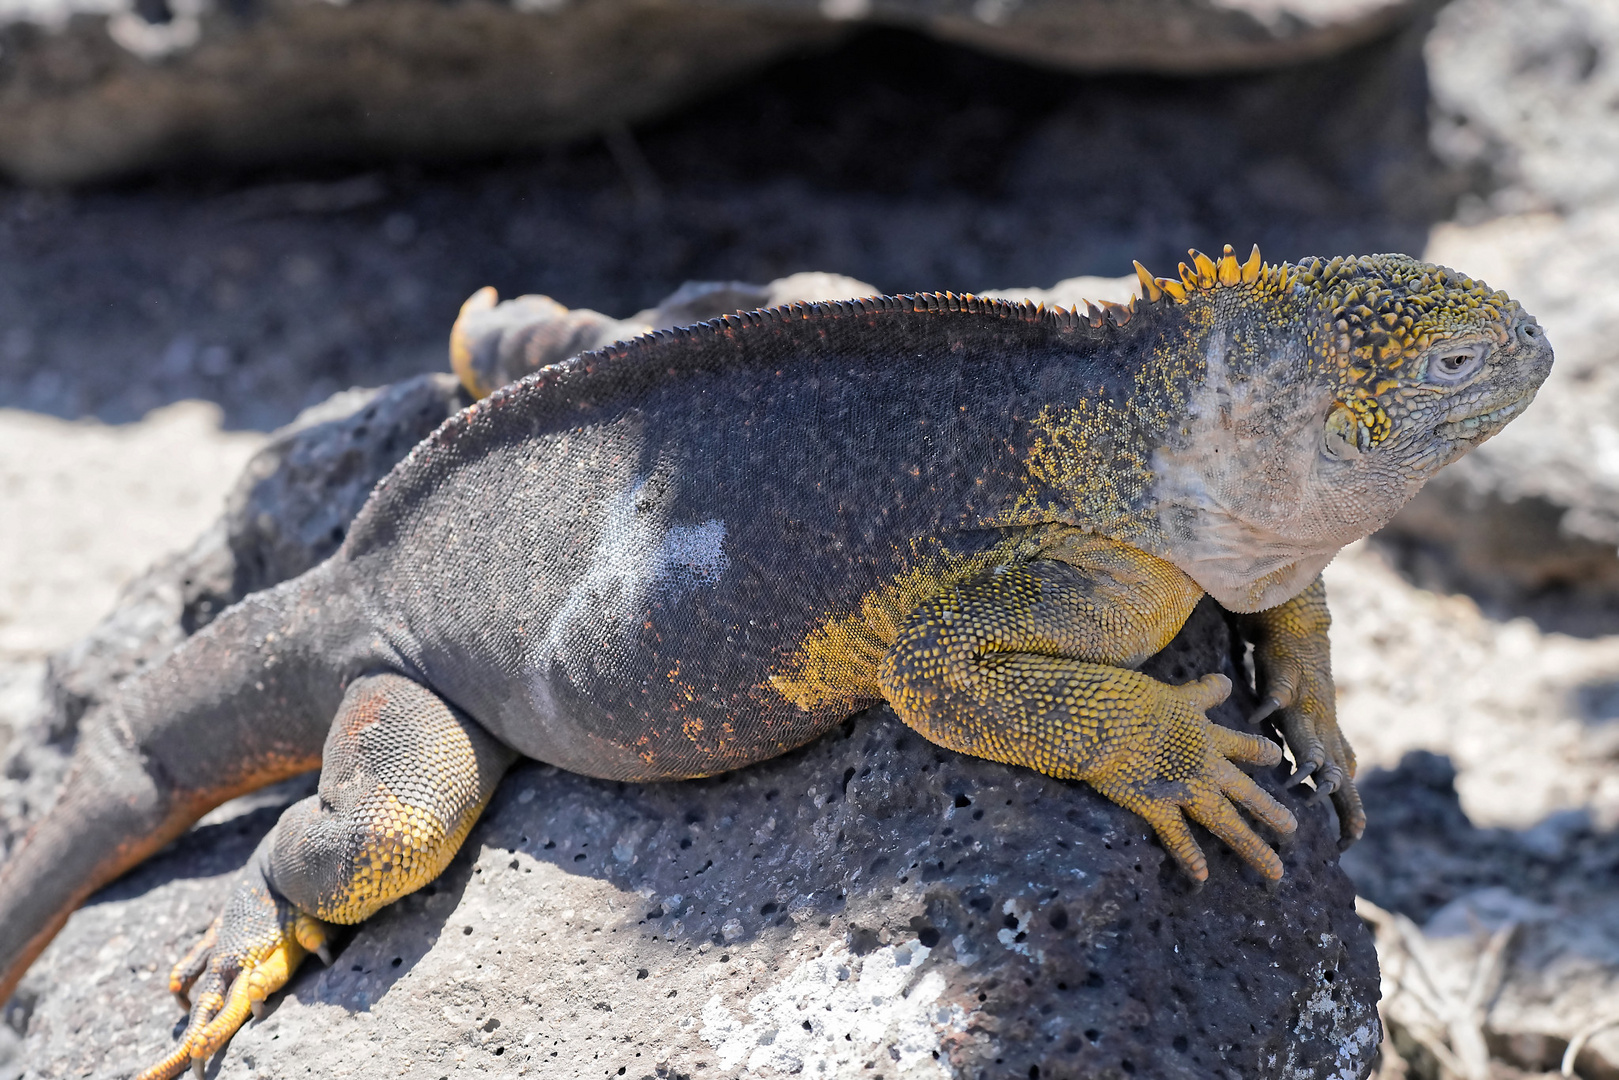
(1421, 851)
(894, 159)
(220, 843)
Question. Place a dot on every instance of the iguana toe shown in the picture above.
(191, 966)
(1239, 746)
(1168, 821)
(1351, 814)
(1212, 809)
(1309, 751)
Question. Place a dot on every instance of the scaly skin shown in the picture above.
(404, 777)
(1031, 667)
(1293, 655)
(696, 550)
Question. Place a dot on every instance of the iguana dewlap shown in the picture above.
(698, 549)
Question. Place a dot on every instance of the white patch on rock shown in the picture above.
(1354, 1030)
(1009, 937)
(832, 1014)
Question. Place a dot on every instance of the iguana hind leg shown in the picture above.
(1026, 667)
(1293, 659)
(403, 778)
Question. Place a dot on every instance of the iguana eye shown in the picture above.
(1455, 364)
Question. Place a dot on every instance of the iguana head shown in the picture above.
(1334, 389)
(1424, 363)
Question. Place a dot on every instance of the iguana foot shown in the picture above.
(1293, 659)
(1181, 767)
(990, 668)
(403, 777)
(247, 954)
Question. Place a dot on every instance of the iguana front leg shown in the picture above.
(1293, 659)
(403, 778)
(1030, 666)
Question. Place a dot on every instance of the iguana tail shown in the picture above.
(244, 703)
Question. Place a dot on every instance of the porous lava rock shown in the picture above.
(96, 88)
(868, 905)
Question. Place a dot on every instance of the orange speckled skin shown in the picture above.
(697, 550)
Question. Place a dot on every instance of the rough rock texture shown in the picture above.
(289, 510)
(868, 905)
(94, 88)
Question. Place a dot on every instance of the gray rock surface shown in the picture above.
(95, 88)
(869, 905)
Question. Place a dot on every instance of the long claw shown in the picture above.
(198, 1067)
(1351, 814)
(1324, 789)
(324, 953)
(1302, 773)
(1266, 707)
(258, 1009)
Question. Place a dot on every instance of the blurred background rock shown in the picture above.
(224, 213)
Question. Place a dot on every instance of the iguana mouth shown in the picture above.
(1469, 426)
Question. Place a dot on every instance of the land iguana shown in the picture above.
(680, 554)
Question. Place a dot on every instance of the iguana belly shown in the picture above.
(688, 645)
(660, 671)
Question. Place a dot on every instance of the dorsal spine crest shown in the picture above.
(1206, 274)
